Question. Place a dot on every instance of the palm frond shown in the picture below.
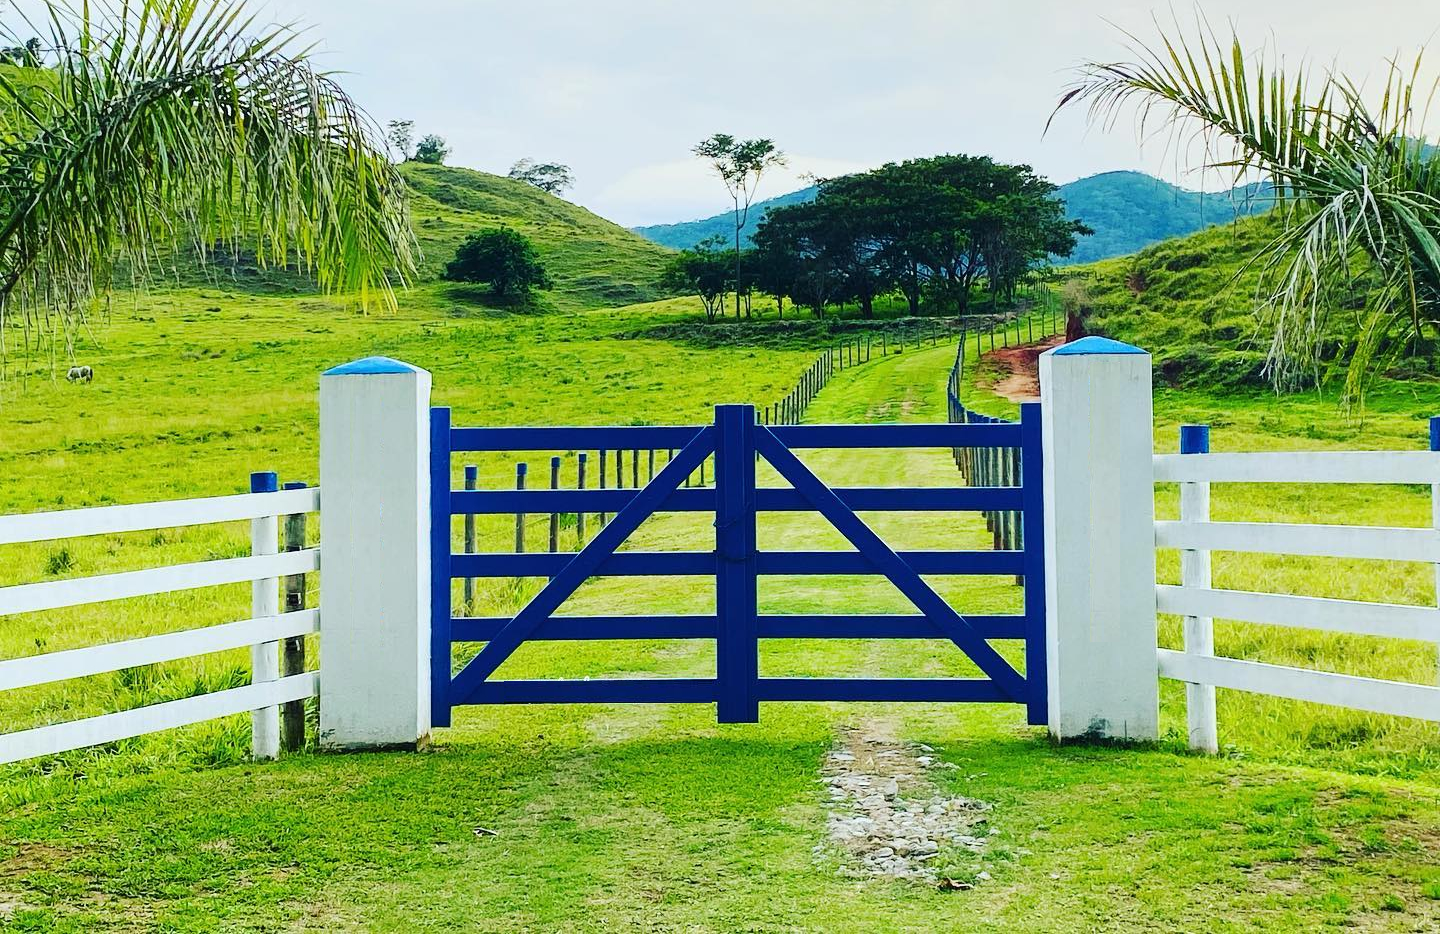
(154, 125)
(1355, 183)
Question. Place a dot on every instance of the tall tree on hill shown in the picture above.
(161, 122)
(740, 164)
(400, 134)
(550, 177)
(432, 150)
(1353, 178)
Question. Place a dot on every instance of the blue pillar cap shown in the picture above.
(1095, 346)
(371, 365)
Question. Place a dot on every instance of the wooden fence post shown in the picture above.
(601, 457)
(264, 601)
(554, 515)
(521, 469)
(635, 469)
(292, 650)
(580, 485)
(1195, 572)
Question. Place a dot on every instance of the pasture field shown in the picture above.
(656, 818)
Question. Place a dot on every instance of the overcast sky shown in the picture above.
(622, 90)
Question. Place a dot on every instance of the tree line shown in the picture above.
(934, 231)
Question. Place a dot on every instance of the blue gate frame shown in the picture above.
(735, 439)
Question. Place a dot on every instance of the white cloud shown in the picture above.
(621, 90)
(684, 189)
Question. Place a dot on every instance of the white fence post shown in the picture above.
(1435, 505)
(264, 601)
(375, 553)
(1195, 572)
(1099, 541)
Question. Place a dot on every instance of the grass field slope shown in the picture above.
(598, 817)
(594, 817)
(1193, 302)
(593, 262)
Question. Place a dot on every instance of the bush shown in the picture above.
(501, 258)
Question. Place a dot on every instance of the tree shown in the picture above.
(550, 177)
(740, 164)
(432, 150)
(27, 55)
(1352, 180)
(401, 135)
(501, 257)
(702, 271)
(935, 227)
(774, 271)
(806, 233)
(159, 121)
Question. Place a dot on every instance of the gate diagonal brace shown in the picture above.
(579, 568)
(888, 563)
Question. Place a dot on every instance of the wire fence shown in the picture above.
(996, 466)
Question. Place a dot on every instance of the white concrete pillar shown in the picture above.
(1099, 541)
(375, 555)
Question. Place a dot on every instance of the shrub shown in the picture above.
(502, 258)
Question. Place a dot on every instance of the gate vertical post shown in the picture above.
(375, 545)
(1032, 530)
(737, 650)
(1099, 533)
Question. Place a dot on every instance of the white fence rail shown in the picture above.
(263, 633)
(1200, 604)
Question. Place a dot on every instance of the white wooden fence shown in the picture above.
(264, 567)
(1200, 603)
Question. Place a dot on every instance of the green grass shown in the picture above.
(594, 263)
(657, 818)
(1192, 301)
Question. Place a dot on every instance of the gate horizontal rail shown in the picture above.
(767, 499)
(775, 563)
(703, 626)
(580, 438)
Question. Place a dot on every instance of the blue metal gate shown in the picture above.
(735, 440)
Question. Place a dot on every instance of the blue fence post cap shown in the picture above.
(371, 365)
(1095, 346)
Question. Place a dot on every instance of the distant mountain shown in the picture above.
(1131, 210)
(686, 234)
(1128, 210)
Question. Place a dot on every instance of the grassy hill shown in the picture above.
(1192, 301)
(594, 262)
(1131, 210)
(1186, 300)
(1128, 210)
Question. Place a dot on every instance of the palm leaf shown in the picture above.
(157, 125)
(1355, 183)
